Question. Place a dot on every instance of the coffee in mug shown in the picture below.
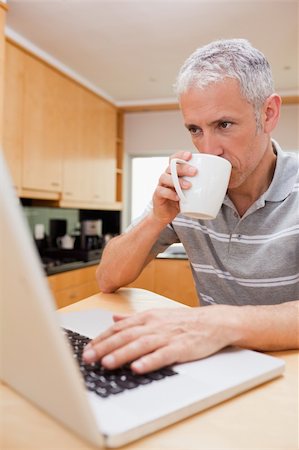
(205, 197)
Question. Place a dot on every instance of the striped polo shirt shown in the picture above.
(249, 260)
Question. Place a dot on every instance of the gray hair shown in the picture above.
(231, 58)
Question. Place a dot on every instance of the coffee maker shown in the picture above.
(91, 234)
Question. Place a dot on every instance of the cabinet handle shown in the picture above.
(69, 193)
(55, 183)
(96, 196)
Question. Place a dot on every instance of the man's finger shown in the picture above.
(133, 350)
(161, 357)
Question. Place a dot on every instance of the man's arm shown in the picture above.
(161, 337)
(269, 327)
(125, 256)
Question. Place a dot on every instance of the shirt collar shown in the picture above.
(284, 178)
(282, 182)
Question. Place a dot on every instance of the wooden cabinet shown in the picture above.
(70, 287)
(60, 138)
(171, 278)
(119, 155)
(13, 128)
(146, 279)
(168, 277)
(105, 171)
(89, 164)
(75, 161)
(43, 124)
(2, 64)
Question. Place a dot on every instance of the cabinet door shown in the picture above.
(105, 170)
(74, 170)
(43, 124)
(146, 279)
(13, 128)
(2, 65)
(73, 294)
(89, 165)
(90, 141)
(173, 278)
(69, 287)
(82, 143)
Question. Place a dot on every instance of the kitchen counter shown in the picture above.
(175, 251)
(70, 266)
(82, 264)
(166, 255)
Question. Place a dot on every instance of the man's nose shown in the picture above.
(210, 145)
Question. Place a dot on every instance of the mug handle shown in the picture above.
(58, 241)
(175, 178)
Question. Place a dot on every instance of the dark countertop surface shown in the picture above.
(82, 264)
(70, 266)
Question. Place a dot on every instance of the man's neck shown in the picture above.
(259, 181)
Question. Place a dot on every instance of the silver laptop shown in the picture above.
(37, 361)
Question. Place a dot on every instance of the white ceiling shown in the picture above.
(130, 51)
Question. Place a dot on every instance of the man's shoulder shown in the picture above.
(286, 157)
(286, 175)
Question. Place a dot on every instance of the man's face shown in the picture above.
(221, 122)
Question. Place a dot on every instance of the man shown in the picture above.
(245, 262)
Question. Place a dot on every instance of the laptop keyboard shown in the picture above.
(106, 382)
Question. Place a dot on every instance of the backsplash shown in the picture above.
(42, 215)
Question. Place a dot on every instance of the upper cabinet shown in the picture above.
(14, 111)
(43, 124)
(107, 163)
(60, 139)
(89, 163)
(2, 63)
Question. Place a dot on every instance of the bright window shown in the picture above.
(146, 171)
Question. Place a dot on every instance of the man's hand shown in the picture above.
(160, 337)
(165, 198)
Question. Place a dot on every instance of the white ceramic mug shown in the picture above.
(205, 197)
(66, 242)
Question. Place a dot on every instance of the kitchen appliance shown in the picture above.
(91, 234)
(58, 228)
(66, 241)
(85, 247)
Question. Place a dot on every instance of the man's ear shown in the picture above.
(270, 113)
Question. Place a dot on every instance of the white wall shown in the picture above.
(287, 130)
(163, 132)
(155, 132)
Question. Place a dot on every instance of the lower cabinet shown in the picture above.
(70, 287)
(171, 278)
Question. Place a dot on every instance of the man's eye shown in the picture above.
(225, 125)
(193, 130)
